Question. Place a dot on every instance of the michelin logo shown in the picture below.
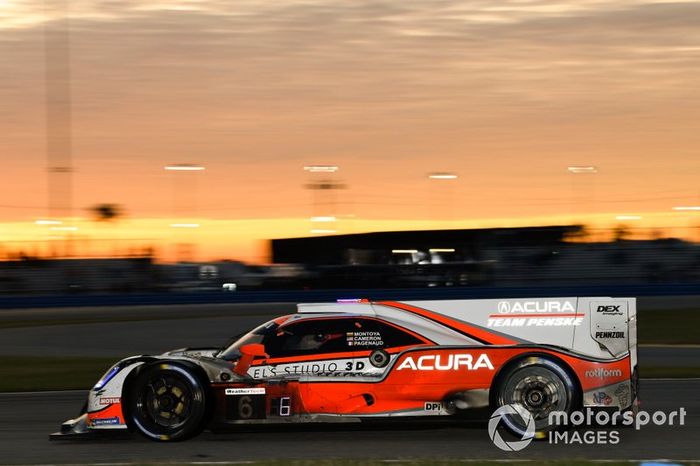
(110, 421)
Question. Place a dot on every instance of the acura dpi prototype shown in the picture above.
(356, 360)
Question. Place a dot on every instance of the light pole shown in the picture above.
(690, 209)
(577, 191)
(184, 186)
(323, 186)
(438, 180)
(58, 119)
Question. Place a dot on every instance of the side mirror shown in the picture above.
(248, 353)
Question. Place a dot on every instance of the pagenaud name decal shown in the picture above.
(446, 362)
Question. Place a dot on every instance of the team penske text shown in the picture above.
(552, 321)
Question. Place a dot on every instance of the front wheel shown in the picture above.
(540, 387)
(166, 402)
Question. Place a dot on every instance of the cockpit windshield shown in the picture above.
(257, 335)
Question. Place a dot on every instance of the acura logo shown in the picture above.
(503, 307)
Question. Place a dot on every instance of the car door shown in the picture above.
(308, 347)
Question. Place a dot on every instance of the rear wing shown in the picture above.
(599, 327)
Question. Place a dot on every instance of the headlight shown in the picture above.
(109, 375)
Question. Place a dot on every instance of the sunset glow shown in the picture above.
(538, 113)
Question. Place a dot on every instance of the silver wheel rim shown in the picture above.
(539, 391)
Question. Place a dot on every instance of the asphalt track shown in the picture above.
(26, 419)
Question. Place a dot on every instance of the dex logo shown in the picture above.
(610, 310)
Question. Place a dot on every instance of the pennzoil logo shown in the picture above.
(449, 362)
(506, 307)
(610, 334)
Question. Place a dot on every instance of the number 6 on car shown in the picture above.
(366, 359)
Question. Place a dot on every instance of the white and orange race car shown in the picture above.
(358, 360)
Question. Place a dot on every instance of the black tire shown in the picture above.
(540, 386)
(166, 402)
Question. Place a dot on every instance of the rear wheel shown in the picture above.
(540, 387)
(166, 402)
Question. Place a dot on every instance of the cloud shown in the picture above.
(278, 82)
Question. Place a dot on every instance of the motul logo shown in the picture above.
(505, 307)
(110, 400)
(446, 362)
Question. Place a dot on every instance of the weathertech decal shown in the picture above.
(245, 391)
(449, 362)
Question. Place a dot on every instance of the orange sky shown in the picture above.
(505, 94)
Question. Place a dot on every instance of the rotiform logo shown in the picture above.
(602, 373)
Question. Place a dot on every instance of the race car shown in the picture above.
(356, 360)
